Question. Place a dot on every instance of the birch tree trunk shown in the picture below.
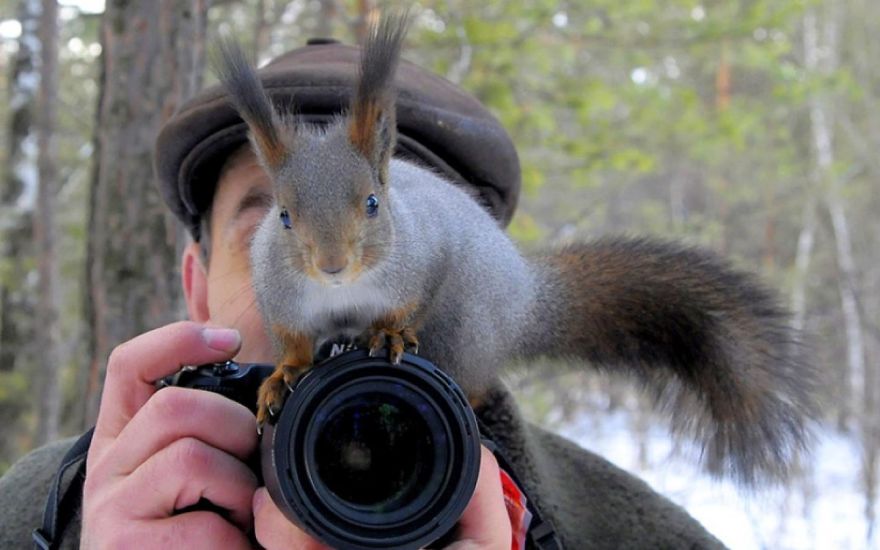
(152, 61)
(826, 60)
(821, 59)
(847, 285)
(806, 241)
(859, 402)
(48, 301)
(820, 141)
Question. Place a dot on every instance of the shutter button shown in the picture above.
(225, 369)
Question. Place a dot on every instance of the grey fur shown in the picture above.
(704, 337)
(465, 285)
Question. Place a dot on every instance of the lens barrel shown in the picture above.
(366, 454)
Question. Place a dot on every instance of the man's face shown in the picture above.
(243, 195)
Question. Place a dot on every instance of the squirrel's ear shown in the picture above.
(372, 130)
(372, 124)
(250, 100)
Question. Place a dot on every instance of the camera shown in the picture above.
(363, 454)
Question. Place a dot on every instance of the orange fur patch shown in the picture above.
(271, 148)
(297, 347)
(362, 127)
(398, 319)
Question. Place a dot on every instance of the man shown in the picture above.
(155, 455)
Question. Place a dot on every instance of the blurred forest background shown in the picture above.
(748, 126)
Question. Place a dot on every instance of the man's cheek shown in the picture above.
(231, 303)
(256, 346)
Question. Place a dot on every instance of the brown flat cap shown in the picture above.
(439, 125)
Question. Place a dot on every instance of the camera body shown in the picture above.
(237, 381)
(364, 453)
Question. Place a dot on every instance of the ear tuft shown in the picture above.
(250, 100)
(372, 126)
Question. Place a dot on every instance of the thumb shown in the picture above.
(274, 531)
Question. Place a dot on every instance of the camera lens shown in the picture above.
(369, 455)
(374, 452)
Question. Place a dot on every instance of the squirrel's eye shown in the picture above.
(372, 206)
(285, 218)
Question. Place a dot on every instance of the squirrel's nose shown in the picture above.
(332, 266)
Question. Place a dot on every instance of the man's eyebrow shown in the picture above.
(256, 197)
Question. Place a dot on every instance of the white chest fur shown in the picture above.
(344, 309)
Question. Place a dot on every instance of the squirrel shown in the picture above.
(359, 242)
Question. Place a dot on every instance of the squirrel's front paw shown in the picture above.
(272, 391)
(396, 340)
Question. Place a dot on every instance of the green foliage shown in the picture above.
(524, 229)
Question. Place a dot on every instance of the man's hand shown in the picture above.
(156, 453)
(484, 524)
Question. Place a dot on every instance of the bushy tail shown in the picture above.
(710, 341)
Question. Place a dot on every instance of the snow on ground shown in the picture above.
(822, 511)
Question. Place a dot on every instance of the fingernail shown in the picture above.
(222, 339)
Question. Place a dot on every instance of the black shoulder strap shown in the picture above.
(61, 506)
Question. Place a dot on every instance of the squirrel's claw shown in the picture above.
(396, 340)
(274, 390)
(410, 341)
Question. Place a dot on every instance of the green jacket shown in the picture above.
(592, 503)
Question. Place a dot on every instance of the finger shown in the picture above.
(193, 531)
(180, 475)
(176, 413)
(274, 531)
(485, 522)
(134, 366)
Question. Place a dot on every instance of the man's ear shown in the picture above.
(194, 277)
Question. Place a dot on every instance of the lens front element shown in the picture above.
(374, 452)
(366, 454)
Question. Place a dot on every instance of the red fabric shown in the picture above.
(519, 515)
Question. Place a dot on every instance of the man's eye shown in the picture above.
(285, 218)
